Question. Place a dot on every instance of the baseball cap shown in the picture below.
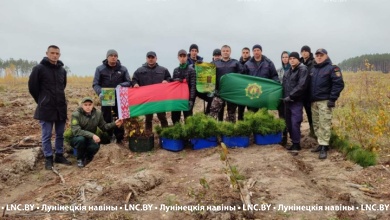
(86, 99)
(321, 50)
(151, 53)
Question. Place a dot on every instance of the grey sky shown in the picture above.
(86, 29)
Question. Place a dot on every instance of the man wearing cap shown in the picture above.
(192, 56)
(245, 56)
(184, 71)
(109, 75)
(295, 82)
(260, 66)
(325, 88)
(85, 121)
(46, 85)
(216, 55)
(148, 74)
(308, 60)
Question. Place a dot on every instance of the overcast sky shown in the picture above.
(85, 29)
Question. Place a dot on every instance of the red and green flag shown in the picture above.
(250, 91)
(162, 97)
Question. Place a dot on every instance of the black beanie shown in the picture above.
(294, 54)
(194, 46)
(257, 46)
(306, 48)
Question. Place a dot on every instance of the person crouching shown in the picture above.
(85, 121)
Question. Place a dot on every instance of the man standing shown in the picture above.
(148, 74)
(85, 121)
(224, 66)
(46, 85)
(109, 75)
(326, 86)
(184, 71)
(308, 59)
(295, 82)
(192, 56)
(260, 66)
(245, 56)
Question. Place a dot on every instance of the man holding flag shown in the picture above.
(148, 74)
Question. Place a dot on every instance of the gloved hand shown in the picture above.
(125, 84)
(199, 61)
(191, 104)
(287, 99)
(331, 104)
(178, 80)
(101, 96)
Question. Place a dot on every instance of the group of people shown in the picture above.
(309, 82)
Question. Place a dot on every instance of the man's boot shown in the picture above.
(294, 147)
(61, 159)
(323, 152)
(284, 141)
(49, 162)
(317, 149)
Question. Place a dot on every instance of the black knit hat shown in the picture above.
(257, 46)
(294, 54)
(306, 48)
(194, 46)
(217, 52)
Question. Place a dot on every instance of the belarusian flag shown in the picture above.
(162, 97)
(250, 91)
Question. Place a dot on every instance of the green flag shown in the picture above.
(205, 77)
(255, 92)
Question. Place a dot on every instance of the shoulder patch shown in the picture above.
(74, 122)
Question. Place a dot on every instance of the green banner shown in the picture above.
(108, 97)
(250, 91)
(205, 77)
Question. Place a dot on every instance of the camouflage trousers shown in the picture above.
(217, 108)
(322, 121)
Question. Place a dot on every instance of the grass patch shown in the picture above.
(353, 152)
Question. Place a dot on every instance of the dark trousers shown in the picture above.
(241, 110)
(307, 105)
(149, 118)
(281, 113)
(175, 115)
(86, 147)
(206, 98)
(110, 113)
(293, 114)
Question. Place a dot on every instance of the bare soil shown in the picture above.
(117, 177)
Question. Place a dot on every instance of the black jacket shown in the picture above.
(192, 62)
(295, 82)
(309, 62)
(46, 85)
(242, 60)
(146, 75)
(225, 67)
(188, 74)
(326, 81)
(110, 77)
(266, 68)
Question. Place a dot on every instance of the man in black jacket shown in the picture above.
(308, 60)
(326, 86)
(260, 66)
(148, 74)
(184, 71)
(109, 75)
(46, 85)
(224, 66)
(295, 82)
